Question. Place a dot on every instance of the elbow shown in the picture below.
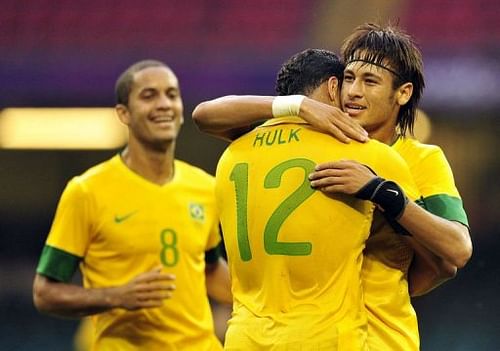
(43, 296)
(463, 251)
(463, 254)
(200, 116)
(40, 300)
(447, 271)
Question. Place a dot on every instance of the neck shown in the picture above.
(388, 136)
(157, 166)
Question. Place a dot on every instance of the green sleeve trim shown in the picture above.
(420, 202)
(447, 207)
(212, 255)
(57, 264)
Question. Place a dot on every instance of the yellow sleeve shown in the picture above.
(72, 226)
(392, 166)
(434, 175)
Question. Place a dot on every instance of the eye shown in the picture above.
(148, 95)
(173, 94)
(371, 81)
(348, 78)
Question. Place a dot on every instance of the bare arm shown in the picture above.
(218, 282)
(146, 290)
(446, 239)
(229, 116)
(427, 271)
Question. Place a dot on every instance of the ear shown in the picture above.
(123, 114)
(404, 93)
(333, 89)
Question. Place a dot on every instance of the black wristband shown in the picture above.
(386, 194)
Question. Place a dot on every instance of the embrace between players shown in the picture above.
(332, 215)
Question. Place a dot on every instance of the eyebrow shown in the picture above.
(153, 89)
(364, 74)
(376, 64)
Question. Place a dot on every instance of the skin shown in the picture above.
(154, 116)
(371, 102)
(369, 98)
(218, 118)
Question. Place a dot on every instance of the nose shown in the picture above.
(164, 101)
(355, 89)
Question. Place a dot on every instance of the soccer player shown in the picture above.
(143, 228)
(295, 254)
(382, 86)
(383, 64)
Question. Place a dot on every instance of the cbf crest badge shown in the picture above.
(197, 212)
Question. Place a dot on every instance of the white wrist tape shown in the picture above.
(287, 105)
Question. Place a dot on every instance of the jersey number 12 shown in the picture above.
(239, 176)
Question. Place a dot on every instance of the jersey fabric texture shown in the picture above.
(118, 225)
(294, 253)
(392, 321)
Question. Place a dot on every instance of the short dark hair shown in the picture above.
(124, 82)
(393, 49)
(307, 70)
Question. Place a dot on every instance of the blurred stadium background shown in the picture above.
(66, 53)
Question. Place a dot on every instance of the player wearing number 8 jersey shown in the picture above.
(139, 225)
(294, 253)
(123, 225)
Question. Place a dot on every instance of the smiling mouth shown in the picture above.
(163, 119)
(354, 110)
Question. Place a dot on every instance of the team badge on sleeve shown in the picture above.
(197, 212)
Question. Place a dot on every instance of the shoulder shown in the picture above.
(378, 148)
(94, 180)
(421, 156)
(99, 172)
(193, 173)
(416, 148)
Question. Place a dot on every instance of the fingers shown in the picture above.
(332, 120)
(154, 296)
(151, 299)
(155, 286)
(154, 280)
(339, 134)
(150, 294)
(332, 189)
(345, 128)
(344, 176)
(322, 182)
(325, 173)
(355, 131)
(338, 165)
(154, 275)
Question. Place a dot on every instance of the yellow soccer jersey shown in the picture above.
(392, 322)
(434, 178)
(295, 254)
(121, 225)
(82, 340)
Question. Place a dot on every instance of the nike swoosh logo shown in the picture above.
(119, 219)
(393, 191)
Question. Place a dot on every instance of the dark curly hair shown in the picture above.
(307, 70)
